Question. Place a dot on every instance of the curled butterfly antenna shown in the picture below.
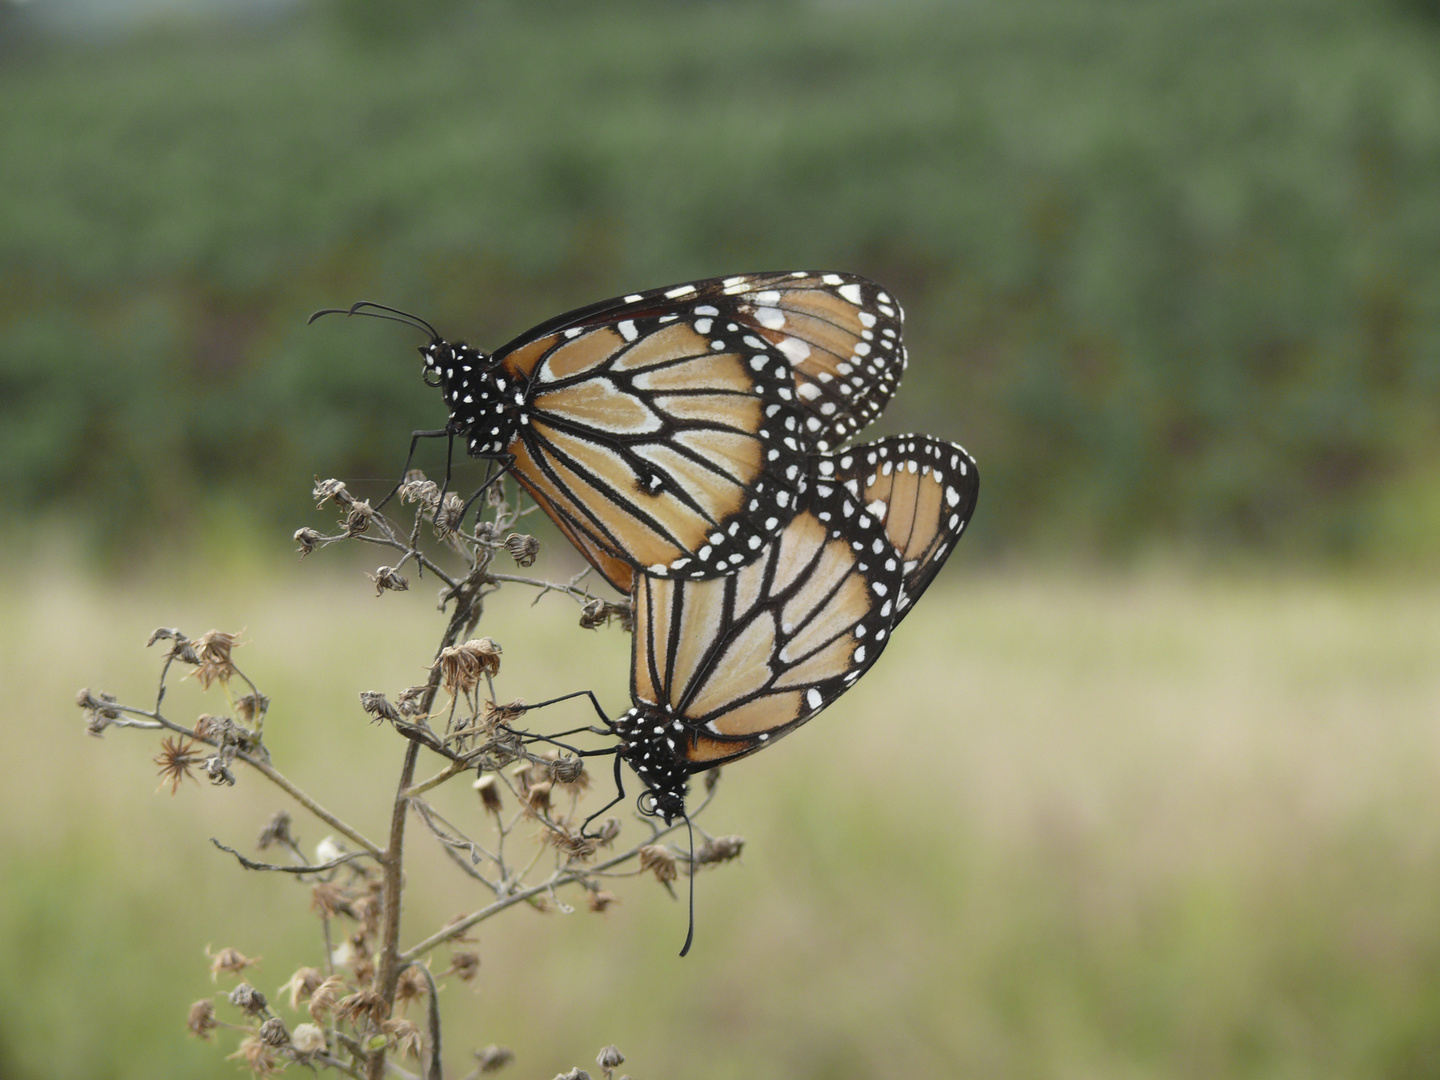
(380, 311)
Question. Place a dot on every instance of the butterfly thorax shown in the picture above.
(485, 400)
(652, 740)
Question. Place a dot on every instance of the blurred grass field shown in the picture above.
(1072, 825)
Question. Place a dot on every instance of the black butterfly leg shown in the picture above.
(415, 437)
(619, 794)
(505, 467)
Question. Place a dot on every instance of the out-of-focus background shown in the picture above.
(1148, 783)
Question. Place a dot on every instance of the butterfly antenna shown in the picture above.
(690, 934)
(404, 318)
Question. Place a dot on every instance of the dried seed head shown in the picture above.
(464, 965)
(230, 961)
(712, 777)
(325, 490)
(610, 1057)
(100, 712)
(416, 489)
(489, 788)
(494, 1058)
(308, 539)
(719, 849)
(176, 758)
(599, 900)
(447, 516)
(387, 577)
(504, 714)
(609, 831)
(307, 1039)
(405, 1035)
(411, 701)
(252, 708)
(571, 843)
(523, 775)
(522, 548)
(329, 899)
(249, 999)
(463, 666)
(378, 706)
(362, 1005)
(277, 832)
(412, 986)
(213, 649)
(368, 908)
(323, 1000)
(574, 1074)
(359, 517)
(538, 797)
(218, 771)
(661, 860)
(567, 770)
(201, 1020)
(274, 1033)
(259, 1057)
(302, 985)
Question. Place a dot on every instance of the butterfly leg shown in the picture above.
(609, 727)
(619, 794)
(415, 437)
(505, 466)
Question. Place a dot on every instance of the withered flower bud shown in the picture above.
(538, 797)
(252, 708)
(248, 998)
(406, 1035)
(259, 1056)
(447, 515)
(410, 700)
(719, 849)
(574, 1074)
(523, 775)
(277, 832)
(307, 1039)
(494, 1058)
(230, 961)
(329, 899)
(378, 706)
(610, 1057)
(599, 900)
(181, 650)
(661, 860)
(416, 489)
(302, 985)
(308, 539)
(504, 714)
(566, 770)
(522, 548)
(359, 517)
(273, 1032)
(362, 1005)
(489, 789)
(325, 490)
(176, 758)
(609, 831)
(712, 777)
(464, 965)
(100, 712)
(572, 843)
(387, 577)
(202, 1018)
(218, 772)
(597, 613)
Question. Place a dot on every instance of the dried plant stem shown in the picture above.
(310, 804)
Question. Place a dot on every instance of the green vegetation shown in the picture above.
(1068, 826)
(1170, 267)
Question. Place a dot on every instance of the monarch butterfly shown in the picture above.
(669, 431)
(724, 667)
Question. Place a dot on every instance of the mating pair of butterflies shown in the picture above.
(685, 440)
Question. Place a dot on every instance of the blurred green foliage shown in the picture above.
(1170, 267)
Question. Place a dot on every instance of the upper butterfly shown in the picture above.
(669, 431)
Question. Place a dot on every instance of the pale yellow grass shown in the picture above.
(1071, 825)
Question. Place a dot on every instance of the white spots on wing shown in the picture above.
(769, 317)
(813, 698)
(702, 326)
(627, 330)
(679, 291)
(573, 332)
(707, 309)
(794, 349)
(850, 292)
(878, 508)
(759, 362)
(859, 654)
(807, 391)
(833, 279)
(867, 319)
(952, 497)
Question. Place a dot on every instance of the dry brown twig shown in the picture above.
(525, 845)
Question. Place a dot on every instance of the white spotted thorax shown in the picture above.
(484, 406)
(768, 648)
